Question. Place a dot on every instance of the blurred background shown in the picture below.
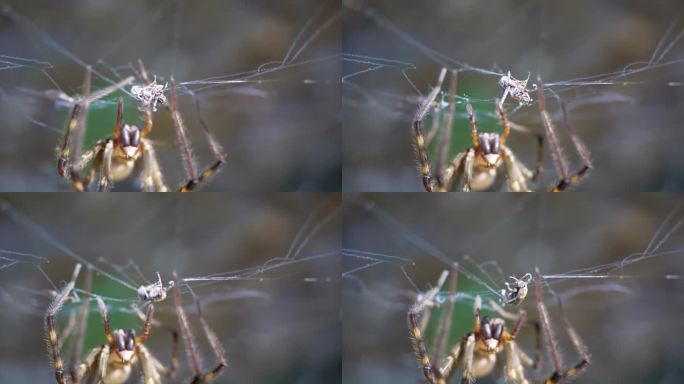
(630, 119)
(277, 325)
(279, 128)
(392, 248)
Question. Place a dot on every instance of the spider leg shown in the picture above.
(85, 369)
(106, 168)
(445, 322)
(507, 126)
(515, 372)
(71, 325)
(469, 351)
(467, 376)
(419, 347)
(445, 138)
(559, 374)
(419, 137)
(193, 178)
(102, 364)
(75, 127)
(105, 319)
(147, 365)
(153, 179)
(435, 126)
(148, 122)
(94, 153)
(191, 348)
(566, 180)
(451, 361)
(454, 172)
(473, 126)
(517, 172)
(540, 147)
(468, 169)
(51, 328)
(147, 325)
(77, 346)
(215, 344)
(164, 371)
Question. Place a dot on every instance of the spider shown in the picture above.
(115, 157)
(488, 346)
(480, 163)
(113, 362)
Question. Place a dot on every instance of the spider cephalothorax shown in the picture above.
(489, 335)
(123, 345)
(129, 142)
(488, 150)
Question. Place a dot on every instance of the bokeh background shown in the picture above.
(280, 134)
(632, 131)
(626, 323)
(282, 326)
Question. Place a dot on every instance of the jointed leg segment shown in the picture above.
(559, 373)
(191, 348)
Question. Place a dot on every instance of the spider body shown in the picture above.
(516, 88)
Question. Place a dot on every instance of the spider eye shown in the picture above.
(125, 139)
(487, 330)
(484, 144)
(130, 340)
(130, 136)
(120, 345)
(497, 331)
(135, 139)
(494, 141)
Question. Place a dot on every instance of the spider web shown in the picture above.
(288, 293)
(239, 76)
(397, 251)
(392, 58)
